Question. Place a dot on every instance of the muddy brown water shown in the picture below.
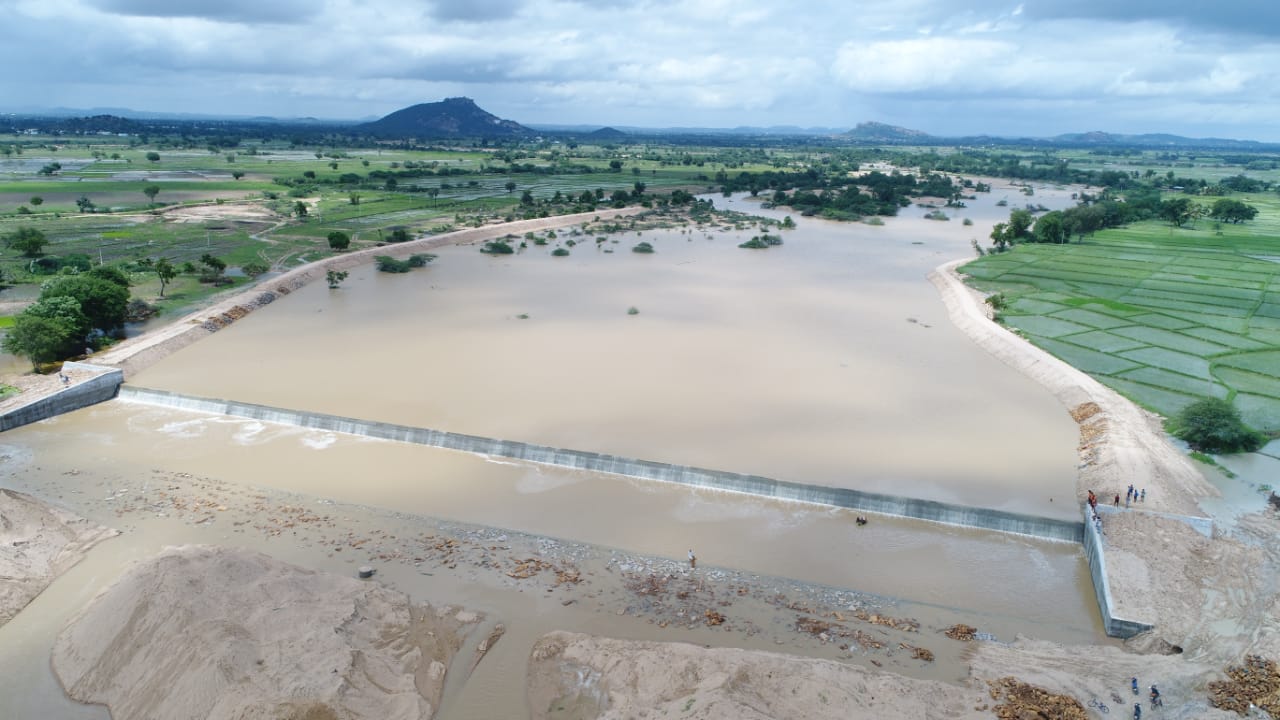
(828, 359)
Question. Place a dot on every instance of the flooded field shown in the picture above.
(826, 360)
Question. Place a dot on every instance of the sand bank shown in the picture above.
(579, 676)
(1121, 444)
(204, 632)
(37, 544)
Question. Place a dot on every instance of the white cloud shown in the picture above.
(944, 66)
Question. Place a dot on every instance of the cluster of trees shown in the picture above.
(1093, 214)
(1212, 425)
(73, 314)
(1182, 210)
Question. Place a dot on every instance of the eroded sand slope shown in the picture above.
(205, 632)
(37, 544)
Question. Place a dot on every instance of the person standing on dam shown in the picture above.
(693, 560)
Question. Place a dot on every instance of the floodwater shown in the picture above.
(826, 360)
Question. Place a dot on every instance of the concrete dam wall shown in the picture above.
(916, 508)
(102, 385)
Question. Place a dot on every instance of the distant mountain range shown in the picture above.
(460, 117)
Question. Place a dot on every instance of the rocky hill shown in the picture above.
(458, 117)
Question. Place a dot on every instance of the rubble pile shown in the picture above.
(1256, 683)
(961, 632)
(1017, 700)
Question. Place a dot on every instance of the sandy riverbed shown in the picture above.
(37, 544)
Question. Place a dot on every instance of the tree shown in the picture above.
(165, 271)
(300, 209)
(335, 278)
(339, 240)
(237, 174)
(1178, 211)
(105, 303)
(1224, 210)
(1019, 224)
(151, 191)
(85, 204)
(27, 240)
(1084, 220)
(1000, 237)
(153, 157)
(354, 198)
(37, 200)
(112, 274)
(40, 339)
(213, 268)
(65, 310)
(510, 186)
(1213, 425)
(526, 198)
(1050, 228)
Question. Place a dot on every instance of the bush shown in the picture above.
(339, 240)
(643, 247)
(762, 241)
(418, 260)
(388, 264)
(497, 247)
(1212, 425)
(560, 252)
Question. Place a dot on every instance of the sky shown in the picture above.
(947, 67)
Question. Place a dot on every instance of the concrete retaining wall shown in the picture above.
(948, 513)
(86, 392)
(1095, 553)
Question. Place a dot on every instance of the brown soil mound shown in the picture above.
(202, 632)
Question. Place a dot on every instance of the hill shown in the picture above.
(450, 118)
(607, 133)
(880, 132)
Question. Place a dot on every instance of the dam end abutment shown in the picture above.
(88, 385)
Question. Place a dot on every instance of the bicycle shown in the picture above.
(1100, 706)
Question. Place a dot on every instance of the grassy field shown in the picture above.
(1163, 315)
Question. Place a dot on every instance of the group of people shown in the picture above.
(1134, 495)
(1155, 699)
(1131, 495)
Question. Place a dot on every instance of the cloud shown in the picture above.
(906, 66)
(1246, 17)
(941, 65)
(475, 10)
(237, 11)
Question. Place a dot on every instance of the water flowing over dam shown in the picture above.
(930, 510)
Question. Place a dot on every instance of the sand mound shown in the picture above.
(37, 544)
(580, 676)
(203, 632)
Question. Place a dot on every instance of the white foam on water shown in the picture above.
(319, 440)
(536, 481)
(185, 429)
